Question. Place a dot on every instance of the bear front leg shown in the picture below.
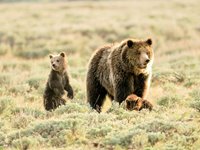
(121, 91)
(70, 92)
(142, 85)
(68, 87)
(146, 87)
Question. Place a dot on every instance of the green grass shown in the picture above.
(28, 36)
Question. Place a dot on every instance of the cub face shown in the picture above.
(140, 53)
(58, 62)
(133, 102)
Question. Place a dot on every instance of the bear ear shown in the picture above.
(149, 41)
(50, 56)
(62, 54)
(130, 43)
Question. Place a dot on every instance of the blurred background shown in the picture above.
(30, 30)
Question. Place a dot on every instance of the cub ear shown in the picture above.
(62, 54)
(50, 56)
(149, 41)
(130, 43)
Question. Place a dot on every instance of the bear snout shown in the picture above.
(147, 61)
(54, 67)
(144, 59)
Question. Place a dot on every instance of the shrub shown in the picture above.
(5, 78)
(32, 54)
(169, 76)
(6, 104)
(21, 121)
(99, 131)
(29, 112)
(32, 97)
(71, 108)
(19, 89)
(169, 101)
(157, 125)
(50, 130)
(35, 81)
(24, 143)
(4, 48)
(154, 137)
(134, 139)
(2, 139)
(195, 95)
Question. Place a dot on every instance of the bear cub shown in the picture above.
(133, 102)
(58, 83)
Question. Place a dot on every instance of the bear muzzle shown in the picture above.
(54, 67)
(144, 60)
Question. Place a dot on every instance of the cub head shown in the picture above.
(133, 102)
(58, 62)
(139, 54)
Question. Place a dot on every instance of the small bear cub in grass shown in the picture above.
(133, 102)
(58, 83)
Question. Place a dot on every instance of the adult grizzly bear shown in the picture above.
(119, 70)
(58, 83)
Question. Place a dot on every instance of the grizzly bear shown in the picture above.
(119, 70)
(133, 102)
(58, 83)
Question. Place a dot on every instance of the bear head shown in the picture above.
(138, 54)
(58, 62)
(133, 102)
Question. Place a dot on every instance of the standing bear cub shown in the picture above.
(57, 83)
(118, 71)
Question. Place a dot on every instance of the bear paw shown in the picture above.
(133, 102)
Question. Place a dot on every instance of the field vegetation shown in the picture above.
(29, 32)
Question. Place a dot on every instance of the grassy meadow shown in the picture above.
(29, 32)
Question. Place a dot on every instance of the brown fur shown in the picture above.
(118, 71)
(58, 83)
(133, 102)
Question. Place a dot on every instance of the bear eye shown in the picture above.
(138, 53)
(57, 60)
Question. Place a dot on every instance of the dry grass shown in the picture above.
(30, 31)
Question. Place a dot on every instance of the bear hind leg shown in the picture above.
(96, 96)
(53, 102)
